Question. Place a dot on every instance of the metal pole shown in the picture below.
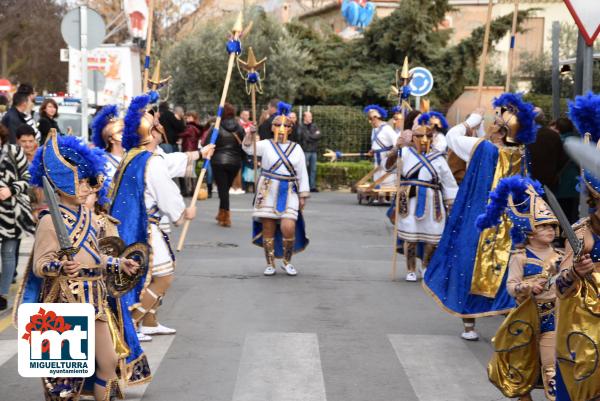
(555, 71)
(511, 50)
(586, 86)
(84, 72)
(418, 103)
(579, 66)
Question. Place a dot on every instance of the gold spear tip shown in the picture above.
(404, 74)
(425, 105)
(251, 62)
(238, 26)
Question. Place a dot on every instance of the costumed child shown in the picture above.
(281, 194)
(577, 286)
(74, 171)
(427, 191)
(528, 334)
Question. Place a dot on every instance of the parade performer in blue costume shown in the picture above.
(107, 134)
(141, 193)
(281, 194)
(577, 287)
(427, 191)
(528, 335)
(76, 273)
(383, 139)
(467, 273)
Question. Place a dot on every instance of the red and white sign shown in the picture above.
(586, 14)
(137, 17)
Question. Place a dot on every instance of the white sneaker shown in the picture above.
(143, 338)
(470, 335)
(270, 271)
(411, 277)
(422, 272)
(290, 270)
(157, 330)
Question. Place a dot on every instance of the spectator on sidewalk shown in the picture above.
(173, 124)
(264, 129)
(15, 209)
(15, 116)
(309, 136)
(3, 105)
(294, 133)
(28, 90)
(227, 160)
(247, 161)
(47, 121)
(567, 193)
(547, 155)
(190, 139)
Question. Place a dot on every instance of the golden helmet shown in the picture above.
(516, 117)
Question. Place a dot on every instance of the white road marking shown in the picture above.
(442, 368)
(280, 367)
(155, 351)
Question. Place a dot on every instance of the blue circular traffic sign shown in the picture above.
(422, 81)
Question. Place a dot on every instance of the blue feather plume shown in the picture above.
(396, 110)
(525, 114)
(380, 109)
(517, 186)
(283, 109)
(425, 117)
(136, 110)
(585, 114)
(36, 169)
(99, 123)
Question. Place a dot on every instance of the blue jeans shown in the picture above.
(9, 263)
(311, 166)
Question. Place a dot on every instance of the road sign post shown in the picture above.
(587, 17)
(83, 29)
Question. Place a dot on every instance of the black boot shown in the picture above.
(3, 302)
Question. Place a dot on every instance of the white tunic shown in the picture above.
(383, 139)
(162, 197)
(112, 164)
(430, 226)
(265, 204)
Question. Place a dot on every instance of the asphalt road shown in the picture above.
(339, 331)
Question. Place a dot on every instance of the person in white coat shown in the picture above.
(383, 139)
(427, 192)
(281, 194)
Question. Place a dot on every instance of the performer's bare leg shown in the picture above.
(427, 254)
(288, 229)
(269, 226)
(547, 356)
(469, 333)
(410, 252)
(106, 363)
(150, 302)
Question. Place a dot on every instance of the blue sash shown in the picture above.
(284, 180)
(422, 186)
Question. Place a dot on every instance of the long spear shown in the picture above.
(403, 93)
(148, 46)
(253, 85)
(234, 48)
(511, 50)
(484, 53)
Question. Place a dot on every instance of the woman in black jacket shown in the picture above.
(48, 116)
(227, 160)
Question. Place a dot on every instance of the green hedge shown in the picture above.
(341, 174)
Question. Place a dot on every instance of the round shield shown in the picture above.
(119, 283)
(111, 246)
